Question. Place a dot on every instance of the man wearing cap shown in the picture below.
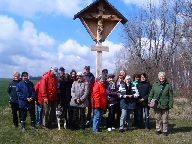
(163, 93)
(13, 98)
(89, 77)
(48, 88)
(26, 98)
(79, 101)
(64, 94)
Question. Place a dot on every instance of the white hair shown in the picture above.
(161, 74)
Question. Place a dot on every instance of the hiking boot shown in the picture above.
(23, 126)
(121, 130)
(158, 132)
(23, 130)
(165, 133)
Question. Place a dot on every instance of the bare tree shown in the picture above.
(160, 39)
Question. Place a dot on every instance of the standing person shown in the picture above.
(123, 73)
(13, 98)
(105, 73)
(99, 102)
(113, 102)
(48, 88)
(144, 88)
(136, 78)
(89, 77)
(79, 101)
(64, 98)
(39, 105)
(127, 102)
(26, 98)
(162, 92)
(73, 77)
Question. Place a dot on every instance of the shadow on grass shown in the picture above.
(180, 129)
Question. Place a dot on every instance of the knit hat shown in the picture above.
(24, 74)
(61, 69)
(87, 67)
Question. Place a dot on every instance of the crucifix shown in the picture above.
(99, 19)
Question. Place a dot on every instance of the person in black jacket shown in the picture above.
(13, 98)
(144, 88)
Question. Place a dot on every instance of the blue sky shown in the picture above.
(36, 35)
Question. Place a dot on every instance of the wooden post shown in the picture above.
(99, 38)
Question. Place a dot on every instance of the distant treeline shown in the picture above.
(35, 78)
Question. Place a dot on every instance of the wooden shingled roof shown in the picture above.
(88, 8)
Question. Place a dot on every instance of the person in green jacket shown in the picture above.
(162, 91)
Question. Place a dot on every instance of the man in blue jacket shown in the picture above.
(26, 98)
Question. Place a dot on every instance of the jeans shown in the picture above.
(97, 116)
(146, 112)
(39, 114)
(126, 114)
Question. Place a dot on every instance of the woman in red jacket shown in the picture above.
(99, 102)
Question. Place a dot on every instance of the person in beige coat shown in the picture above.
(79, 101)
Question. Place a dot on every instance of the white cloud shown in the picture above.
(24, 48)
(142, 3)
(31, 8)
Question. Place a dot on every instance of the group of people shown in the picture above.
(84, 99)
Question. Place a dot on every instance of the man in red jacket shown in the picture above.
(99, 102)
(48, 90)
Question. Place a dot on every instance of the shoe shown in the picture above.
(121, 130)
(113, 128)
(15, 126)
(165, 133)
(87, 123)
(147, 129)
(97, 131)
(109, 129)
(23, 130)
(65, 125)
(130, 129)
(158, 132)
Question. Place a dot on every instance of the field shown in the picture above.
(181, 131)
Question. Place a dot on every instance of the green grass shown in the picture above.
(181, 132)
(3, 92)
